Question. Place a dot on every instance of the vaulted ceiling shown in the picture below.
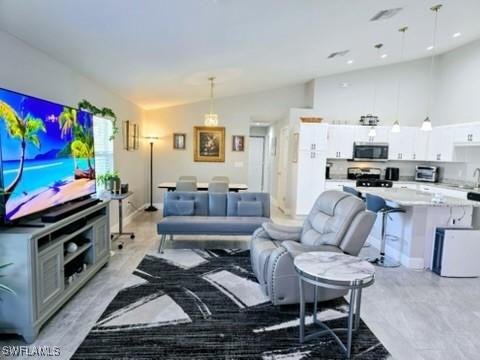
(160, 53)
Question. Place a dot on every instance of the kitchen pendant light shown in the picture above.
(211, 119)
(427, 123)
(396, 124)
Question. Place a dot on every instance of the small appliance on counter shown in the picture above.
(327, 171)
(392, 174)
(355, 173)
(456, 252)
(427, 173)
(370, 151)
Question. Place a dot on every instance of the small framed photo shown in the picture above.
(238, 143)
(179, 141)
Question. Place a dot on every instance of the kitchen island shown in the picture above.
(416, 227)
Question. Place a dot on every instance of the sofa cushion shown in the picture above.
(217, 204)
(233, 198)
(200, 199)
(210, 225)
(180, 208)
(249, 208)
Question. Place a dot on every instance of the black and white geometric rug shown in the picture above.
(206, 304)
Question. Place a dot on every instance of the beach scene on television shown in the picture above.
(47, 154)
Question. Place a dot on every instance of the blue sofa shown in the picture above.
(207, 213)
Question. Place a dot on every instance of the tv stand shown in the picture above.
(65, 210)
(43, 274)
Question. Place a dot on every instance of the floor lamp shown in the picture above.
(152, 140)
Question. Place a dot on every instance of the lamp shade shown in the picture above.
(372, 132)
(151, 138)
(396, 127)
(427, 124)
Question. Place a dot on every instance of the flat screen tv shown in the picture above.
(47, 154)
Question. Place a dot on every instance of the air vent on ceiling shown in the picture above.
(386, 14)
(338, 53)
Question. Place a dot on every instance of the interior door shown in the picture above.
(256, 156)
(282, 171)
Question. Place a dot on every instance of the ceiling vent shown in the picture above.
(386, 14)
(338, 53)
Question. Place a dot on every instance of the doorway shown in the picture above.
(256, 161)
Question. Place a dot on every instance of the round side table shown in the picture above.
(333, 271)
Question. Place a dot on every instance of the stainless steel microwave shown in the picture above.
(370, 151)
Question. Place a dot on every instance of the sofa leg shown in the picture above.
(162, 243)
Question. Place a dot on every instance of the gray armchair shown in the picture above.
(338, 222)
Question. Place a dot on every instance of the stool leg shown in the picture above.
(385, 261)
(302, 312)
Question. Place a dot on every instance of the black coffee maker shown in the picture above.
(392, 173)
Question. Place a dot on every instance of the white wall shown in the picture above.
(340, 104)
(235, 114)
(29, 71)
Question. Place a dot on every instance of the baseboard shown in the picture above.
(409, 262)
(128, 219)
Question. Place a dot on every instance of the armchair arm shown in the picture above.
(295, 248)
(282, 232)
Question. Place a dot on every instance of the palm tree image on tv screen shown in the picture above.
(47, 154)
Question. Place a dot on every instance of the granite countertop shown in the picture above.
(452, 186)
(409, 197)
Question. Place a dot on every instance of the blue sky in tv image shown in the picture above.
(56, 144)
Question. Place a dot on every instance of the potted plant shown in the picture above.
(110, 181)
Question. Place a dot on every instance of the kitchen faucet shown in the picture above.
(477, 174)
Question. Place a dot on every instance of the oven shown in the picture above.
(370, 151)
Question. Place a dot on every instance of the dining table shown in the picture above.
(172, 186)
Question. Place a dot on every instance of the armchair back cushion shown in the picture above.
(330, 217)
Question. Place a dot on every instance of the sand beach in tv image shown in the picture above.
(47, 154)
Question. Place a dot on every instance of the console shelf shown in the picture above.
(44, 275)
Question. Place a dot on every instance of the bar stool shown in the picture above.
(352, 191)
(378, 204)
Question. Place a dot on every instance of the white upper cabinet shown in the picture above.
(361, 134)
(421, 142)
(313, 137)
(340, 141)
(467, 134)
(441, 144)
(401, 144)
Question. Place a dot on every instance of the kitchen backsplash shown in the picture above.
(450, 172)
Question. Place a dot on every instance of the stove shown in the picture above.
(368, 177)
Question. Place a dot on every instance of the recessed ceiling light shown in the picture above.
(383, 56)
(349, 62)
(457, 34)
(430, 48)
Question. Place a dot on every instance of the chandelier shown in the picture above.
(211, 119)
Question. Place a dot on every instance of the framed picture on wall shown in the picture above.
(179, 141)
(238, 143)
(209, 144)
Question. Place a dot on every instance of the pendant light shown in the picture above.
(396, 124)
(372, 132)
(427, 123)
(211, 119)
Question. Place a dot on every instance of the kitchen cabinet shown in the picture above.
(421, 140)
(382, 133)
(313, 137)
(467, 134)
(338, 185)
(340, 141)
(310, 179)
(441, 144)
(401, 145)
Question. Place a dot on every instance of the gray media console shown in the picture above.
(44, 275)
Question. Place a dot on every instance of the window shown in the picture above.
(102, 131)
